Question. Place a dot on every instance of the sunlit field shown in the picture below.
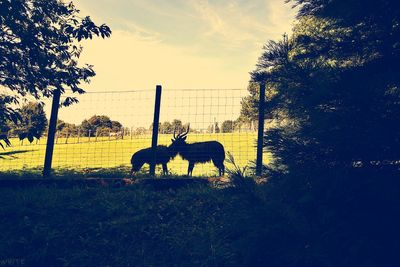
(108, 152)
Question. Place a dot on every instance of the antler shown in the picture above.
(183, 134)
(187, 131)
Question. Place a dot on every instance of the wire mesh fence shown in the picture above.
(105, 128)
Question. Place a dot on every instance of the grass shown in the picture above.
(91, 156)
(126, 227)
(298, 219)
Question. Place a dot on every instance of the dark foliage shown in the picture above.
(39, 51)
(335, 94)
(337, 90)
(7, 115)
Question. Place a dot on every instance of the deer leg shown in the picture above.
(165, 168)
(190, 168)
(220, 166)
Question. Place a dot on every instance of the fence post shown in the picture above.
(156, 121)
(51, 133)
(260, 139)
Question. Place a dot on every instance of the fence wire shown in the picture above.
(81, 146)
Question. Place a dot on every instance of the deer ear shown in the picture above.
(184, 138)
(172, 140)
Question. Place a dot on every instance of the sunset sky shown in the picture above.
(181, 43)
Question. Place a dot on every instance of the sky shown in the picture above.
(182, 44)
(179, 44)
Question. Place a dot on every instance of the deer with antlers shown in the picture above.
(200, 152)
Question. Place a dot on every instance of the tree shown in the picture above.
(216, 128)
(140, 131)
(7, 116)
(116, 126)
(66, 129)
(336, 84)
(32, 124)
(166, 128)
(60, 125)
(159, 127)
(86, 128)
(249, 104)
(210, 128)
(101, 123)
(177, 125)
(40, 51)
(227, 126)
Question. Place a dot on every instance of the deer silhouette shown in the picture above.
(164, 155)
(200, 152)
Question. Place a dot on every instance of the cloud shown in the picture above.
(236, 25)
(142, 33)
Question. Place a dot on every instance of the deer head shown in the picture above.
(180, 139)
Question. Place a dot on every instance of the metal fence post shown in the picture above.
(156, 121)
(260, 139)
(51, 133)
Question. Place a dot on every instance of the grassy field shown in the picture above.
(109, 153)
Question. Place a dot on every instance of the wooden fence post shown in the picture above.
(156, 121)
(51, 133)
(260, 139)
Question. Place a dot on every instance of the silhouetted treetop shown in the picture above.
(38, 40)
(39, 44)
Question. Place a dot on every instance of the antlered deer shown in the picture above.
(164, 155)
(200, 152)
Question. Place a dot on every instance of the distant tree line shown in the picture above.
(33, 124)
(227, 126)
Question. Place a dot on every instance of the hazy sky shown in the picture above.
(181, 43)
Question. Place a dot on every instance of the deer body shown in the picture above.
(203, 152)
(164, 155)
(200, 152)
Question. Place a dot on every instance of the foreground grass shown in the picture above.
(126, 227)
(319, 219)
